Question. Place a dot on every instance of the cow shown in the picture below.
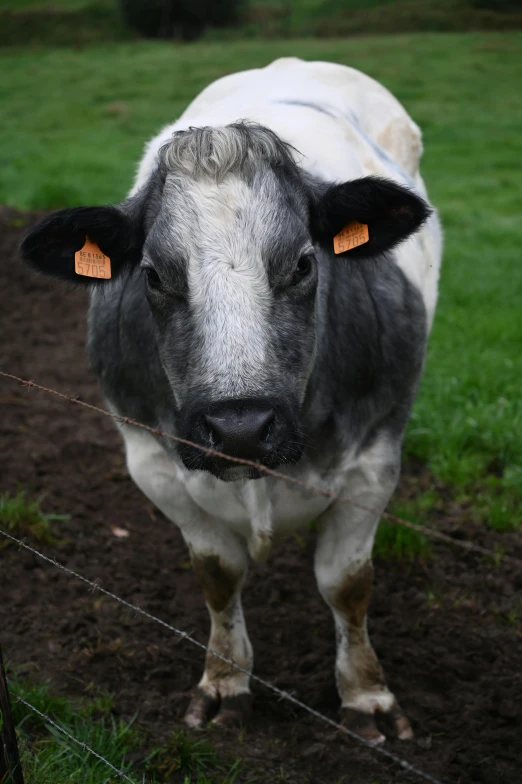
(273, 281)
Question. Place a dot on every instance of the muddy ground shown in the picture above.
(447, 629)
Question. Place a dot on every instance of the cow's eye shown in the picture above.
(303, 269)
(153, 279)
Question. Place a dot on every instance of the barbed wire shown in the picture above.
(423, 530)
(95, 586)
(80, 743)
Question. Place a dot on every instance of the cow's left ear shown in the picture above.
(50, 247)
(391, 212)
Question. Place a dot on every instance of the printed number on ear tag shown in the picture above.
(91, 262)
(351, 236)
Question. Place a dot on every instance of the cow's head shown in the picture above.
(226, 234)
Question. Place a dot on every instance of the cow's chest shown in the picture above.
(259, 510)
(245, 504)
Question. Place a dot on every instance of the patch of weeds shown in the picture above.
(497, 500)
(231, 776)
(196, 760)
(183, 754)
(396, 542)
(100, 703)
(49, 756)
(499, 512)
(21, 516)
(498, 554)
(513, 616)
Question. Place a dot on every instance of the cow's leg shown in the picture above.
(219, 558)
(344, 574)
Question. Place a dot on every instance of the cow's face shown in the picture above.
(231, 279)
(226, 235)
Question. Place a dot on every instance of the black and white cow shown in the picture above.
(230, 321)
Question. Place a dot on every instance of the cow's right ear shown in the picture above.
(50, 247)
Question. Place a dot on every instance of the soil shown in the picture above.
(446, 629)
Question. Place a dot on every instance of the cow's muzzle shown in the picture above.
(256, 430)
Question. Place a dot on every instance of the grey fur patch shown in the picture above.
(239, 148)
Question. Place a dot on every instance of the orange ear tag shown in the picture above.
(351, 236)
(91, 262)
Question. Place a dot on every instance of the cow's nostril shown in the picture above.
(264, 434)
(242, 433)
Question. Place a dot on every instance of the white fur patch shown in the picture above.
(259, 506)
(229, 293)
(231, 686)
(221, 227)
(371, 701)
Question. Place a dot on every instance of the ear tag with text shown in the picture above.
(353, 235)
(90, 261)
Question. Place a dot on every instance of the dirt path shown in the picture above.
(447, 631)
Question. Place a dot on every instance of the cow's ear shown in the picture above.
(391, 212)
(50, 247)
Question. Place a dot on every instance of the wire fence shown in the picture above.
(382, 753)
(95, 585)
(426, 530)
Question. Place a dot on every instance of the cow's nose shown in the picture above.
(242, 434)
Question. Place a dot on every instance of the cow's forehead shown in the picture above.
(239, 148)
(233, 221)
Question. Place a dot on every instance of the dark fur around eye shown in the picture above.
(152, 277)
(303, 269)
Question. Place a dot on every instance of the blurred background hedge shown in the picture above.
(79, 22)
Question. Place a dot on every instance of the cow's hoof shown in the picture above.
(363, 724)
(233, 711)
(202, 707)
(396, 723)
(393, 721)
(223, 712)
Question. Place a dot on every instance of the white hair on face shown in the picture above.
(221, 227)
(224, 205)
(239, 148)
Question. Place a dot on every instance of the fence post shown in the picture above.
(10, 766)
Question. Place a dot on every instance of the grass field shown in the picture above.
(74, 127)
(50, 757)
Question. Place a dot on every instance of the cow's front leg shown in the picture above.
(219, 558)
(223, 695)
(344, 574)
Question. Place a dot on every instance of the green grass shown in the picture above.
(74, 125)
(49, 757)
(23, 516)
(396, 542)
